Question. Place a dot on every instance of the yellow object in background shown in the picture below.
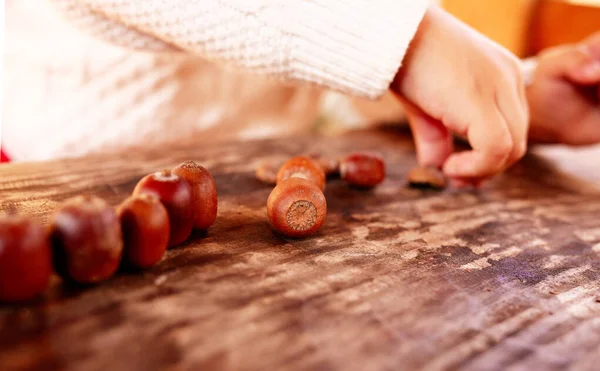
(584, 2)
(505, 21)
(526, 27)
(562, 22)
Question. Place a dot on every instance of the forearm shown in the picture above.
(351, 46)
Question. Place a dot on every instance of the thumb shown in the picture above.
(592, 43)
(591, 46)
(433, 141)
(578, 64)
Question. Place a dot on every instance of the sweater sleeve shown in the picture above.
(351, 46)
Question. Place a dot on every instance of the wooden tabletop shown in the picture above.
(503, 278)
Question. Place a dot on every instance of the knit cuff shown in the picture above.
(528, 68)
(355, 47)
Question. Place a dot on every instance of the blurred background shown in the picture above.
(525, 27)
(60, 84)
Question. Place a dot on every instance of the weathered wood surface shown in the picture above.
(504, 278)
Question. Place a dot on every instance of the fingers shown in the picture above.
(514, 111)
(589, 70)
(586, 69)
(492, 142)
(497, 131)
(588, 130)
(432, 140)
(466, 182)
(592, 43)
(577, 63)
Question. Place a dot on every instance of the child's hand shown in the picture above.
(564, 94)
(455, 80)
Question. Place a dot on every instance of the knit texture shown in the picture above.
(353, 46)
(153, 71)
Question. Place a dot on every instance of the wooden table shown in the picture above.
(504, 278)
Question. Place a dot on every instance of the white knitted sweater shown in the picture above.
(83, 76)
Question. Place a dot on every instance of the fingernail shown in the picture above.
(591, 69)
(475, 183)
(460, 184)
(452, 168)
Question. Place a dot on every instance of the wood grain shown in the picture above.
(503, 278)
